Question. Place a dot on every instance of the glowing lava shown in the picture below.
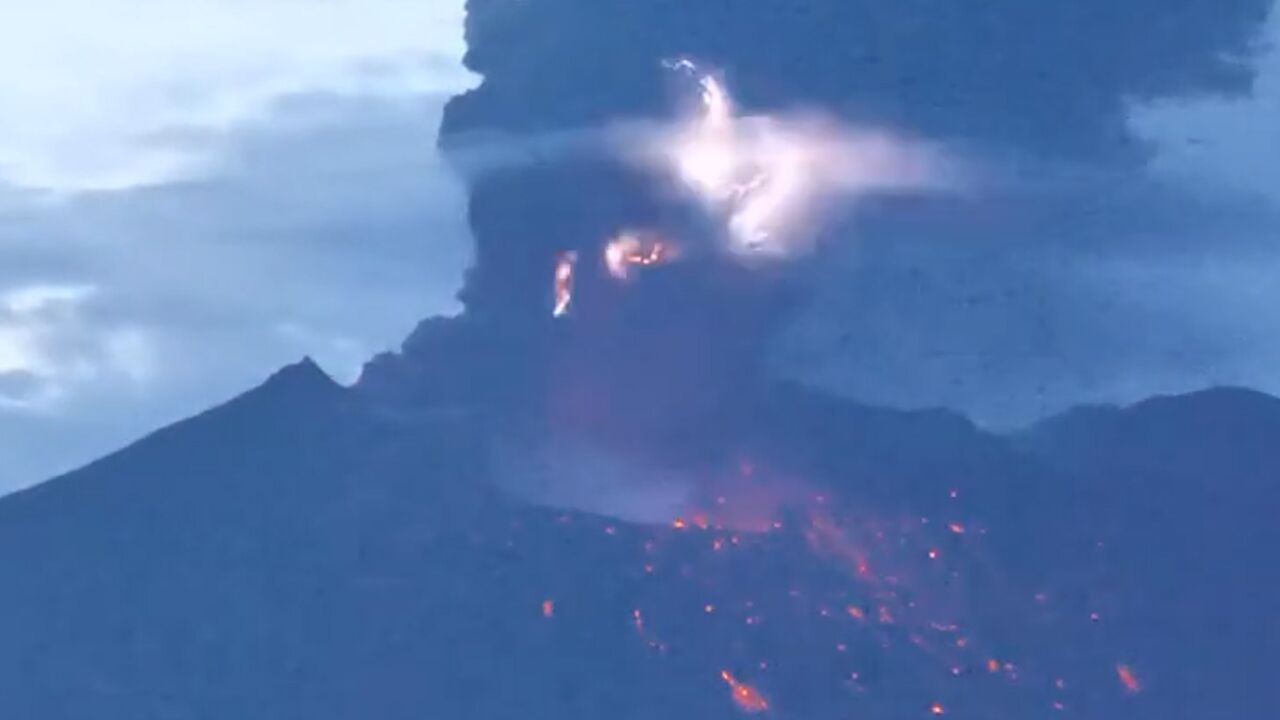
(563, 282)
(859, 583)
(747, 698)
(631, 249)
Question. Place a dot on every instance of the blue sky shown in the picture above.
(194, 192)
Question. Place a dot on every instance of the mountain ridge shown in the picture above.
(295, 552)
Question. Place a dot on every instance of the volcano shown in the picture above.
(589, 496)
(307, 551)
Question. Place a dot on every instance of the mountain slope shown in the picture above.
(302, 552)
(1184, 492)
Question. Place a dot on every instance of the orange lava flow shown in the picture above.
(747, 698)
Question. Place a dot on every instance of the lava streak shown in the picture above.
(747, 698)
(563, 282)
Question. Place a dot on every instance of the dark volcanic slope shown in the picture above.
(1188, 490)
(232, 565)
(297, 553)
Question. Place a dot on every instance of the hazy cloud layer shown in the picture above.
(1213, 142)
(330, 230)
(1022, 305)
(50, 344)
(99, 94)
(1068, 284)
(201, 190)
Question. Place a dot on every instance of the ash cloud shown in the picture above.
(1054, 77)
(1050, 79)
(997, 288)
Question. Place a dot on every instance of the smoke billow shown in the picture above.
(654, 368)
(1050, 76)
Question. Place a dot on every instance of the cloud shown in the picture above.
(194, 192)
(1053, 78)
(1050, 80)
(329, 230)
(50, 345)
(103, 94)
(1231, 143)
(37, 299)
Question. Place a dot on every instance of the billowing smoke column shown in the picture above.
(661, 324)
(577, 324)
(663, 303)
